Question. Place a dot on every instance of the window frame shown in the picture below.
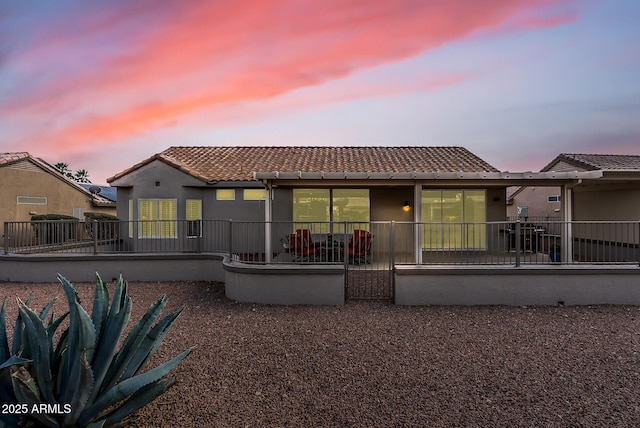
(443, 234)
(330, 220)
(193, 225)
(131, 221)
(161, 224)
(220, 192)
(245, 192)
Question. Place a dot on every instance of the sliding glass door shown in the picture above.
(331, 205)
(451, 216)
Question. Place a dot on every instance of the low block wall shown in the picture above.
(508, 285)
(324, 285)
(133, 267)
(285, 284)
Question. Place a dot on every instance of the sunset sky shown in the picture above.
(102, 85)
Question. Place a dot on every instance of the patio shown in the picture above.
(406, 262)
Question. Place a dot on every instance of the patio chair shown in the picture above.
(302, 246)
(359, 250)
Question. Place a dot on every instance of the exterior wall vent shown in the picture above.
(32, 200)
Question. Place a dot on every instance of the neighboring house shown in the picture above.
(29, 186)
(318, 184)
(534, 203)
(613, 196)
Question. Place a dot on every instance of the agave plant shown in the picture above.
(88, 378)
(19, 354)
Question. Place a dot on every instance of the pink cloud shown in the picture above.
(215, 54)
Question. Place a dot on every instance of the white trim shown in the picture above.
(369, 176)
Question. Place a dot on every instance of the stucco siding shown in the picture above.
(61, 198)
(536, 199)
(607, 204)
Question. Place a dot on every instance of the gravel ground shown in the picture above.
(376, 364)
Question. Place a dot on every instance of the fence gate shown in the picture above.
(369, 276)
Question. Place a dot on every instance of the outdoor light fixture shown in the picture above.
(406, 207)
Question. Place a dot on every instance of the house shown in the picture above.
(321, 185)
(32, 186)
(613, 196)
(330, 183)
(436, 215)
(534, 203)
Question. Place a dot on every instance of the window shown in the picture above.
(350, 205)
(194, 218)
(226, 194)
(254, 194)
(157, 218)
(312, 205)
(130, 218)
(452, 216)
(331, 205)
(553, 198)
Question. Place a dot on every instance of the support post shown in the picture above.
(566, 239)
(392, 259)
(417, 217)
(345, 251)
(230, 240)
(94, 227)
(6, 237)
(518, 242)
(268, 252)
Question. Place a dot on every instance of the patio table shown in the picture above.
(331, 251)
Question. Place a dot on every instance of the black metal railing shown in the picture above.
(388, 243)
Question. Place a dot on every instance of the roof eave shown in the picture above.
(481, 175)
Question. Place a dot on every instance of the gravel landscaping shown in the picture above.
(372, 364)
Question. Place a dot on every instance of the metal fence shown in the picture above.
(376, 243)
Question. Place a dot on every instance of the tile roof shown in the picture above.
(593, 162)
(238, 163)
(7, 158)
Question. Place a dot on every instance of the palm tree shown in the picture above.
(63, 169)
(82, 176)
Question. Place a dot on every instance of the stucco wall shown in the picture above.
(159, 180)
(305, 284)
(536, 198)
(62, 198)
(285, 285)
(507, 285)
(607, 203)
(133, 267)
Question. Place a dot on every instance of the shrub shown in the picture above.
(55, 228)
(95, 382)
(47, 217)
(90, 216)
(105, 226)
